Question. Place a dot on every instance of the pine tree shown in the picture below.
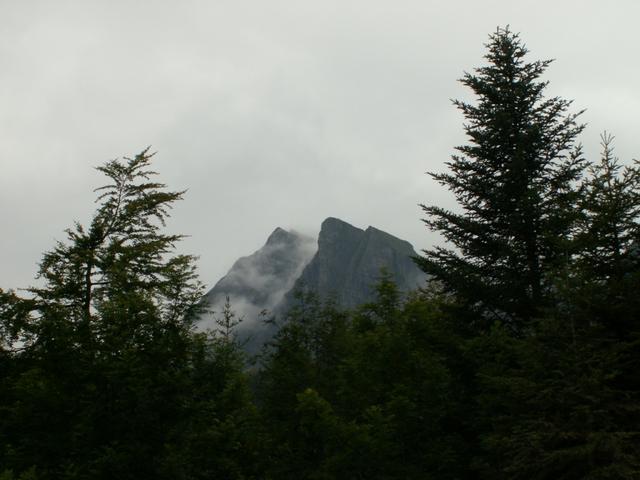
(515, 184)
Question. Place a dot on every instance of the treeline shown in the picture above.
(518, 360)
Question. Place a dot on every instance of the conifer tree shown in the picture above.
(100, 353)
(608, 263)
(515, 185)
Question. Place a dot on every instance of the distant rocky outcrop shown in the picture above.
(343, 265)
(349, 263)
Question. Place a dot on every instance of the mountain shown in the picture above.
(344, 265)
(260, 281)
(349, 262)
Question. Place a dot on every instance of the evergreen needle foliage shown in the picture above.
(515, 183)
(100, 365)
(542, 271)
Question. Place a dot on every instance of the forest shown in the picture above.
(519, 358)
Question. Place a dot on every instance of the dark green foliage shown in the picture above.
(515, 184)
(607, 268)
(363, 395)
(220, 436)
(610, 230)
(100, 364)
(554, 407)
(543, 268)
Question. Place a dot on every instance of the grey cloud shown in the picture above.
(271, 113)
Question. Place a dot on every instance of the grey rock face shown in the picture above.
(344, 265)
(349, 263)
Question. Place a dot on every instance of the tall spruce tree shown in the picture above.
(515, 184)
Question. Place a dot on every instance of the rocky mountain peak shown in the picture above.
(282, 237)
(344, 264)
(349, 262)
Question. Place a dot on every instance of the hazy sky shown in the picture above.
(272, 113)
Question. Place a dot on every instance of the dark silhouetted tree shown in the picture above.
(104, 372)
(515, 184)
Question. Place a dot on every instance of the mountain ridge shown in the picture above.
(344, 264)
(349, 262)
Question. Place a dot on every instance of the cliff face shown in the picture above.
(345, 264)
(349, 262)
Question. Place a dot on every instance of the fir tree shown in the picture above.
(515, 184)
(608, 265)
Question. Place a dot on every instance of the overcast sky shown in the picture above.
(272, 113)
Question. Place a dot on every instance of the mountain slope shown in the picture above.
(259, 281)
(345, 267)
(349, 262)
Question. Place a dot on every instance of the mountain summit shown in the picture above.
(344, 264)
(260, 281)
(349, 262)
